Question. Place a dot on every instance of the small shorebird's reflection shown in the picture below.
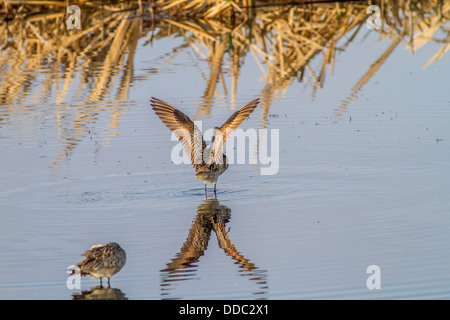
(100, 293)
(211, 216)
(209, 163)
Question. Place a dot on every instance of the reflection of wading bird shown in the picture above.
(209, 163)
(102, 261)
(211, 216)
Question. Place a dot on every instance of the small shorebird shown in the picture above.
(209, 163)
(102, 261)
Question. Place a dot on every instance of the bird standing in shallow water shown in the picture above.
(209, 163)
(102, 261)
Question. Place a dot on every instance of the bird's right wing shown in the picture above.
(184, 129)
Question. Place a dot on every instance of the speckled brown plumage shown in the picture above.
(209, 163)
(102, 261)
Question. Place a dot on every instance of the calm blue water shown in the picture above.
(363, 180)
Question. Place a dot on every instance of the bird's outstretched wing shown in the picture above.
(182, 126)
(223, 133)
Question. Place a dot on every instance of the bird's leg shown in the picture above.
(101, 285)
(109, 286)
(215, 187)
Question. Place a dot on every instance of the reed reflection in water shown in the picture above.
(211, 216)
(42, 61)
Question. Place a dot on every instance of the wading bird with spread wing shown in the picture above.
(209, 163)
